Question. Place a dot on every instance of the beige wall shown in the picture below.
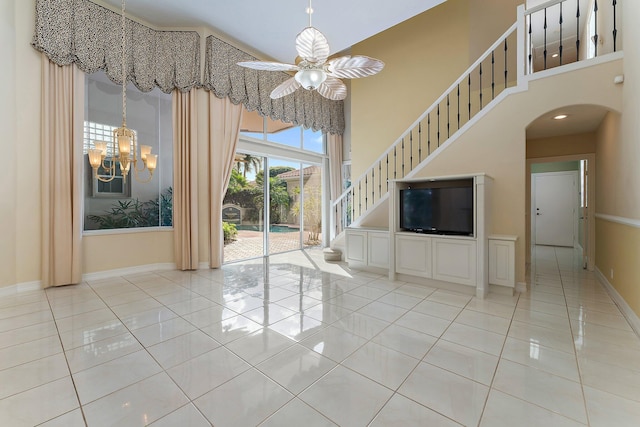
(617, 249)
(618, 176)
(496, 144)
(8, 146)
(423, 57)
(20, 204)
(20, 111)
(565, 145)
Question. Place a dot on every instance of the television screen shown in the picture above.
(444, 210)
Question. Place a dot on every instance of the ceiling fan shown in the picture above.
(314, 72)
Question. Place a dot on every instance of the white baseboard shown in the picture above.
(128, 270)
(627, 312)
(521, 287)
(36, 285)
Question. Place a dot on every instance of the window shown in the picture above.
(127, 202)
(117, 187)
(257, 127)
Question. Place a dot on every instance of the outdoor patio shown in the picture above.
(249, 244)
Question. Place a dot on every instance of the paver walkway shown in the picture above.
(249, 244)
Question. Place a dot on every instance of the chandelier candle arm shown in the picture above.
(124, 139)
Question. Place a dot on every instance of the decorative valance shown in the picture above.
(89, 35)
(250, 87)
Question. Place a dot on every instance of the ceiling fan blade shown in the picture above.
(333, 88)
(268, 66)
(312, 46)
(285, 88)
(353, 67)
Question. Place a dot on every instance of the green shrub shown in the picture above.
(230, 232)
(134, 213)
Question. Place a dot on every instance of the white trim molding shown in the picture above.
(626, 310)
(128, 271)
(20, 287)
(620, 220)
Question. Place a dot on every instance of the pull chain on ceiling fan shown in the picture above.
(314, 72)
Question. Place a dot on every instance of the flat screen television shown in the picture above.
(438, 209)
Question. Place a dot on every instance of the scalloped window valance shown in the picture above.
(89, 35)
(305, 108)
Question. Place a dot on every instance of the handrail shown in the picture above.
(433, 106)
(542, 6)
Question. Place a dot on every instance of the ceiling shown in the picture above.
(580, 119)
(270, 27)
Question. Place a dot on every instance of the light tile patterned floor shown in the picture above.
(295, 341)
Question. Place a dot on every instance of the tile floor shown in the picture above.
(294, 341)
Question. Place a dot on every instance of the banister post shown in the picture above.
(521, 52)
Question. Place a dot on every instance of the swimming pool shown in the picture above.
(272, 228)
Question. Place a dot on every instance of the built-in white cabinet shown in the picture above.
(367, 247)
(502, 260)
(413, 255)
(454, 260)
(378, 249)
(451, 258)
(448, 259)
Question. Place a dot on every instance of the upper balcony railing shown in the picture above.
(560, 32)
(543, 37)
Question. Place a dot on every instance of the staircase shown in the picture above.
(504, 69)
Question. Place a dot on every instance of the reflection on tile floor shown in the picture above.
(293, 341)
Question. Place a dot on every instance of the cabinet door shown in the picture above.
(413, 255)
(502, 263)
(378, 249)
(356, 246)
(454, 261)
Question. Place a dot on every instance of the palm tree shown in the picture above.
(250, 162)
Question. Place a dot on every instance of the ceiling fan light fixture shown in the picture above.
(313, 72)
(310, 79)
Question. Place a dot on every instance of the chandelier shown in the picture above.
(126, 139)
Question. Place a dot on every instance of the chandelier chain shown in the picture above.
(124, 71)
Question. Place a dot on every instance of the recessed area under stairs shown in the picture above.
(292, 340)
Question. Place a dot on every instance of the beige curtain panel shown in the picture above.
(334, 150)
(62, 107)
(224, 129)
(185, 179)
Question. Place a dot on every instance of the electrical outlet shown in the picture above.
(611, 274)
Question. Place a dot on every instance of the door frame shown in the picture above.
(590, 238)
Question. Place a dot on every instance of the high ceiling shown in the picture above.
(270, 27)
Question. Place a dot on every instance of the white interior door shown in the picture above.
(555, 195)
